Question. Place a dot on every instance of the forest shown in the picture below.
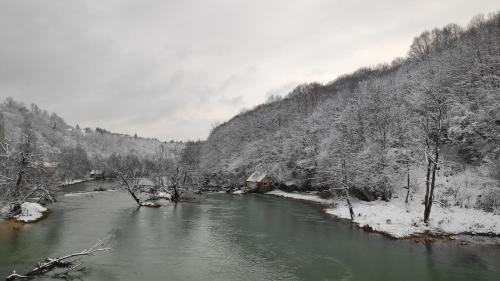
(428, 121)
(426, 126)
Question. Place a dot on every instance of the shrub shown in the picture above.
(490, 202)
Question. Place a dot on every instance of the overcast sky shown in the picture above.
(171, 69)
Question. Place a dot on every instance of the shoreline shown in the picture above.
(64, 183)
(41, 215)
(426, 236)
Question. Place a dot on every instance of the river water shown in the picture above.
(230, 237)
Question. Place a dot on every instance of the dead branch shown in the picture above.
(67, 262)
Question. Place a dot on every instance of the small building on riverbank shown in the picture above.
(259, 182)
(96, 174)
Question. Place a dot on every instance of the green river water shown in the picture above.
(231, 237)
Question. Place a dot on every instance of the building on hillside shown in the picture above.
(96, 174)
(259, 182)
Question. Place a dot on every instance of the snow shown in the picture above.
(238, 192)
(30, 212)
(85, 193)
(300, 196)
(70, 182)
(257, 176)
(164, 195)
(400, 220)
(150, 204)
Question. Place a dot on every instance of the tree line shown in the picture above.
(430, 120)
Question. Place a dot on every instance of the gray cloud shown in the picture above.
(170, 69)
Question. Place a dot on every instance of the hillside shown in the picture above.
(381, 125)
(52, 135)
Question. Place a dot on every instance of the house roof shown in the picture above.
(257, 176)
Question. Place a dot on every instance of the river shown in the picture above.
(231, 237)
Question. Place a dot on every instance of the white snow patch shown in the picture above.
(85, 193)
(164, 195)
(70, 182)
(150, 204)
(402, 220)
(300, 196)
(30, 212)
(238, 192)
(257, 176)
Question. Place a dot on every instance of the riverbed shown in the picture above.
(230, 237)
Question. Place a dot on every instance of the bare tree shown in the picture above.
(23, 176)
(131, 183)
(433, 102)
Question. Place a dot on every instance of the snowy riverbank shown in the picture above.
(71, 182)
(400, 220)
(301, 196)
(31, 212)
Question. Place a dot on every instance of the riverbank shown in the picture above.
(32, 211)
(399, 220)
(72, 182)
(29, 213)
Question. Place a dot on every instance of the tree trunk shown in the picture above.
(129, 189)
(175, 196)
(134, 196)
(428, 205)
(427, 180)
(408, 184)
(20, 174)
(351, 212)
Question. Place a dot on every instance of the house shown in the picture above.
(259, 182)
(96, 174)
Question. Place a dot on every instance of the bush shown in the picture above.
(490, 202)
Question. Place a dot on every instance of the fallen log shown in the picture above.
(70, 262)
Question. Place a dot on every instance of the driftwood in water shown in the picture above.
(69, 262)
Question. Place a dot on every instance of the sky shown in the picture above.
(173, 69)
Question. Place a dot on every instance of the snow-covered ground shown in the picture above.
(300, 196)
(31, 212)
(85, 193)
(401, 220)
(70, 182)
(165, 195)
